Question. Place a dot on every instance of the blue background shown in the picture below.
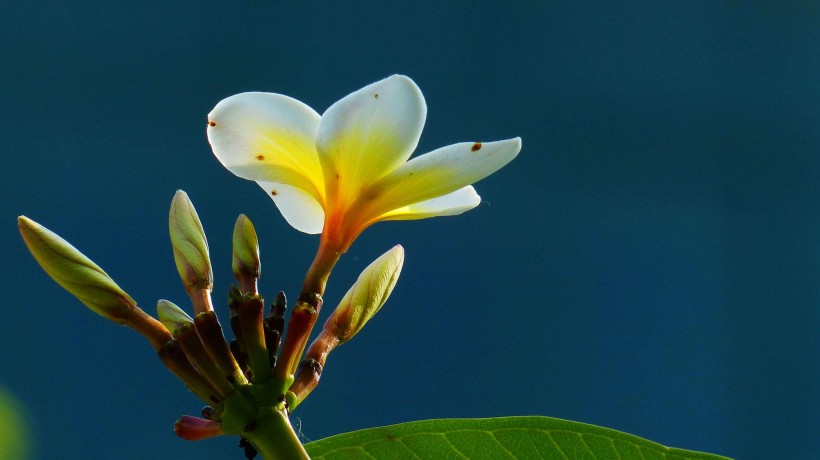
(650, 262)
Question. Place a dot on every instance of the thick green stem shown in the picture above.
(273, 437)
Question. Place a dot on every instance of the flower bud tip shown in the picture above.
(76, 273)
(171, 316)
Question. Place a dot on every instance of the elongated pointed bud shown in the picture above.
(190, 251)
(88, 282)
(189, 242)
(171, 316)
(366, 297)
(246, 267)
(76, 273)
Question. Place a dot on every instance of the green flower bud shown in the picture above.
(189, 243)
(245, 251)
(171, 316)
(76, 273)
(366, 297)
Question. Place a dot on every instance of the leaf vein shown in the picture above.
(555, 443)
(495, 438)
(403, 443)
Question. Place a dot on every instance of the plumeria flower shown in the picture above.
(338, 173)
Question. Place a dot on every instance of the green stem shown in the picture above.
(273, 437)
(316, 278)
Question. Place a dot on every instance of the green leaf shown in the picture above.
(494, 438)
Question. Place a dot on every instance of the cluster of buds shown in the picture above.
(250, 383)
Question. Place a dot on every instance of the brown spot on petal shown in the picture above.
(273, 192)
(376, 95)
(476, 147)
(368, 194)
(260, 157)
(211, 123)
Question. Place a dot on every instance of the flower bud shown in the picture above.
(189, 243)
(76, 273)
(246, 266)
(366, 297)
(196, 429)
(171, 316)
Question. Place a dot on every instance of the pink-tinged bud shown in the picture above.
(366, 297)
(76, 273)
(196, 429)
(189, 243)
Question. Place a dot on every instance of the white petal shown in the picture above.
(268, 137)
(438, 173)
(370, 132)
(452, 204)
(298, 207)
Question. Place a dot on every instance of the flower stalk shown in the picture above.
(326, 258)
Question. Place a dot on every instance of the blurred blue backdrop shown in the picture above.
(650, 262)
